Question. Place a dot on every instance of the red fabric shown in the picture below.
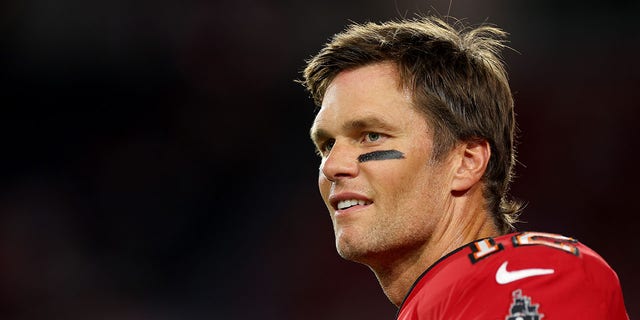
(582, 285)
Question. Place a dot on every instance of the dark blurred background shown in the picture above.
(155, 160)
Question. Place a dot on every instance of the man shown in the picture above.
(416, 135)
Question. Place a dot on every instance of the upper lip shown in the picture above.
(334, 199)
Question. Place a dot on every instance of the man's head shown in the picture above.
(453, 78)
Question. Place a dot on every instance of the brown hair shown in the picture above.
(457, 80)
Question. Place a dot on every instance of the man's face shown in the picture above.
(384, 193)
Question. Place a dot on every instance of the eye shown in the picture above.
(325, 147)
(373, 137)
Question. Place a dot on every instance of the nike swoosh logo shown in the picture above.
(503, 276)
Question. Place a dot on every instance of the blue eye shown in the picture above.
(373, 136)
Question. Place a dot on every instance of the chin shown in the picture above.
(348, 250)
(351, 252)
(356, 246)
(353, 256)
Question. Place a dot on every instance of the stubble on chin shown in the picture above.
(349, 248)
(362, 248)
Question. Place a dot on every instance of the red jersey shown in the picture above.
(520, 276)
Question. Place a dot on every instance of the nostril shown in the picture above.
(327, 177)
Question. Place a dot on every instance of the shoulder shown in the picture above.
(565, 260)
(540, 248)
(487, 277)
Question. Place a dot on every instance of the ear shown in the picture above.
(472, 164)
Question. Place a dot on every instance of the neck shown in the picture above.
(462, 224)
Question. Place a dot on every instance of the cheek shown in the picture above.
(411, 182)
(399, 171)
(389, 181)
(324, 186)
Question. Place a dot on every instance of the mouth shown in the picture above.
(350, 203)
(348, 200)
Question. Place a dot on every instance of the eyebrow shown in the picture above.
(368, 122)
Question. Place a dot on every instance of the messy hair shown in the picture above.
(457, 80)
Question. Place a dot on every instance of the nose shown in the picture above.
(341, 163)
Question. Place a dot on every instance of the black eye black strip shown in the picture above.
(381, 155)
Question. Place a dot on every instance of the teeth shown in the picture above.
(344, 204)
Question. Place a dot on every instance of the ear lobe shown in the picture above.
(472, 165)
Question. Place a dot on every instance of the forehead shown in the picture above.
(375, 80)
(371, 92)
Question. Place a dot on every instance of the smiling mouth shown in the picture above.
(346, 204)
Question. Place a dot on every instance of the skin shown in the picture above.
(413, 210)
